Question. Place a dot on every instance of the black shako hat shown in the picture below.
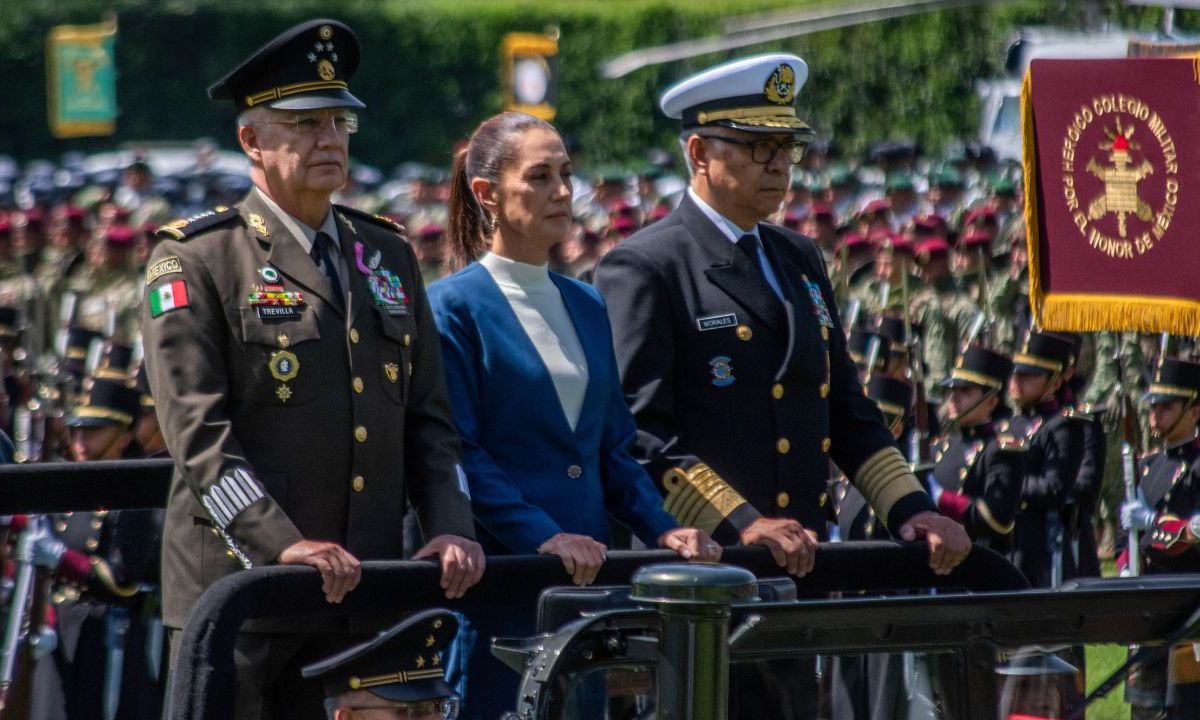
(107, 402)
(402, 663)
(304, 68)
(893, 396)
(1174, 379)
(979, 366)
(1044, 353)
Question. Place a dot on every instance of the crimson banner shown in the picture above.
(1112, 168)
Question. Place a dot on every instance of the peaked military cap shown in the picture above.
(1174, 379)
(79, 343)
(116, 363)
(402, 663)
(304, 68)
(1044, 353)
(892, 329)
(891, 395)
(755, 94)
(107, 402)
(982, 367)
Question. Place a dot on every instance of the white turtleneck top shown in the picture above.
(539, 307)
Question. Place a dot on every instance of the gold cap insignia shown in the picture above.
(781, 86)
(325, 32)
(325, 70)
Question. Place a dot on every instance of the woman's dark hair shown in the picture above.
(491, 149)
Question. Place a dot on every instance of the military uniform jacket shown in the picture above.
(986, 470)
(1056, 452)
(312, 423)
(1170, 482)
(719, 373)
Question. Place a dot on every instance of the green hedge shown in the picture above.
(430, 70)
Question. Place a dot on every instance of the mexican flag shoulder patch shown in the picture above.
(168, 297)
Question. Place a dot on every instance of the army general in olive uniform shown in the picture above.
(297, 370)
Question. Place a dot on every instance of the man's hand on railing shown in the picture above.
(792, 545)
(948, 541)
(340, 571)
(691, 544)
(581, 555)
(461, 559)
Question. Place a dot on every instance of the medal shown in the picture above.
(385, 286)
(818, 301)
(284, 366)
(722, 371)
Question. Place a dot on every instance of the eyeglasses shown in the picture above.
(446, 709)
(344, 123)
(764, 151)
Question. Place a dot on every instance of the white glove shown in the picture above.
(1136, 515)
(47, 551)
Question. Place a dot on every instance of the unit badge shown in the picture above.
(722, 371)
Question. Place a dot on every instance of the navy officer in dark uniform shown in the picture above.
(397, 674)
(1167, 512)
(730, 347)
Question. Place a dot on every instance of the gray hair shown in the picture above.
(252, 116)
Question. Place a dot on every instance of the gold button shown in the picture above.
(824, 390)
(962, 473)
(783, 446)
(822, 499)
(777, 391)
(407, 340)
(825, 445)
(229, 554)
(92, 543)
(358, 385)
(744, 332)
(782, 499)
(824, 333)
(360, 433)
(358, 483)
(354, 335)
(574, 471)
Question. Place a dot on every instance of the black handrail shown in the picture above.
(202, 685)
(83, 486)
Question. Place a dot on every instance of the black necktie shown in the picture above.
(750, 245)
(322, 254)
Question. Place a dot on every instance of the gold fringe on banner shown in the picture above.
(1089, 313)
(1032, 228)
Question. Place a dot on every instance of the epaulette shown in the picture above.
(186, 227)
(1008, 443)
(379, 220)
(1073, 414)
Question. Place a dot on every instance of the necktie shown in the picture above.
(321, 254)
(750, 245)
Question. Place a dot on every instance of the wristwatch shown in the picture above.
(1194, 528)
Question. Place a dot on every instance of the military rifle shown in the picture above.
(1127, 415)
(918, 448)
(26, 618)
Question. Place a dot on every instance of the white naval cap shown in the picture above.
(756, 94)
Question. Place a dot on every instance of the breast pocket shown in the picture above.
(282, 358)
(395, 356)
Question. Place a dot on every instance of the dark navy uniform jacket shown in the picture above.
(720, 373)
(987, 471)
(1170, 482)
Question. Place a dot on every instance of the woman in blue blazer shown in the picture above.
(533, 384)
(530, 365)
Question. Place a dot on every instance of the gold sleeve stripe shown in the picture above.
(885, 478)
(986, 513)
(699, 498)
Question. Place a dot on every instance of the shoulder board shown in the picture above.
(1008, 443)
(186, 227)
(372, 218)
(1073, 414)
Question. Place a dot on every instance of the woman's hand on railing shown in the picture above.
(581, 555)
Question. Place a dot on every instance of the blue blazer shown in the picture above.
(530, 476)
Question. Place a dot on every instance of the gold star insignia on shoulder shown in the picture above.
(429, 641)
(420, 661)
(437, 660)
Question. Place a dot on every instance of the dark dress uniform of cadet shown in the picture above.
(1054, 438)
(107, 660)
(294, 412)
(1170, 484)
(743, 390)
(977, 477)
